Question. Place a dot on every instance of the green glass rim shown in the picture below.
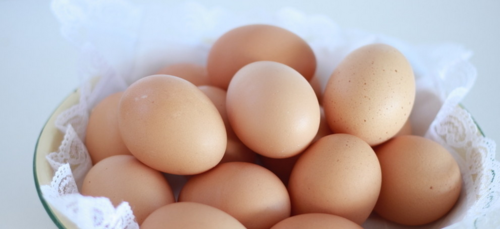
(37, 183)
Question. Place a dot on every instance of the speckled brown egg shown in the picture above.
(370, 94)
(340, 175)
(188, 215)
(235, 149)
(123, 178)
(103, 137)
(194, 73)
(250, 43)
(250, 193)
(421, 180)
(273, 110)
(316, 221)
(170, 125)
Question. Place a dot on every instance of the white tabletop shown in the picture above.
(38, 70)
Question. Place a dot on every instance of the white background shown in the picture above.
(37, 71)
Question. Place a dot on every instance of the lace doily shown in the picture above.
(120, 43)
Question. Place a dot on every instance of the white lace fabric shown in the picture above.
(120, 43)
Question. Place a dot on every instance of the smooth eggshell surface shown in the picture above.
(421, 180)
(196, 74)
(250, 193)
(316, 221)
(250, 43)
(170, 125)
(370, 94)
(123, 178)
(103, 137)
(188, 215)
(339, 174)
(273, 110)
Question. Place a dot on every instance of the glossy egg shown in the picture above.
(316, 221)
(250, 193)
(246, 44)
(123, 178)
(170, 125)
(340, 175)
(273, 110)
(421, 180)
(188, 215)
(370, 94)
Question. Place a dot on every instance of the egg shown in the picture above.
(316, 221)
(421, 180)
(273, 110)
(123, 178)
(103, 137)
(248, 192)
(170, 125)
(339, 174)
(370, 94)
(194, 73)
(188, 215)
(235, 149)
(246, 44)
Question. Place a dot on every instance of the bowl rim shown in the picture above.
(46, 205)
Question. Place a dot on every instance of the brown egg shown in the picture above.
(103, 136)
(250, 43)
(316, 221)
(235, 149)
(340, 175)
(187, 215)
(123, 178)
(250, 193)
(196, 74)
(406, 129)
(421, 180)
(273, 110)
(282, 167)
(370, 94)
(170, 125)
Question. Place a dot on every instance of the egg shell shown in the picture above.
(273, 110)
(250, 193)
(194, 73)
(316, 221)
(170, 125)
(421, 180)
(188, 215)
(340, 175)
(235, 149)
(123, 178)
(370, 94)
(246, 44)
(103, 137)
